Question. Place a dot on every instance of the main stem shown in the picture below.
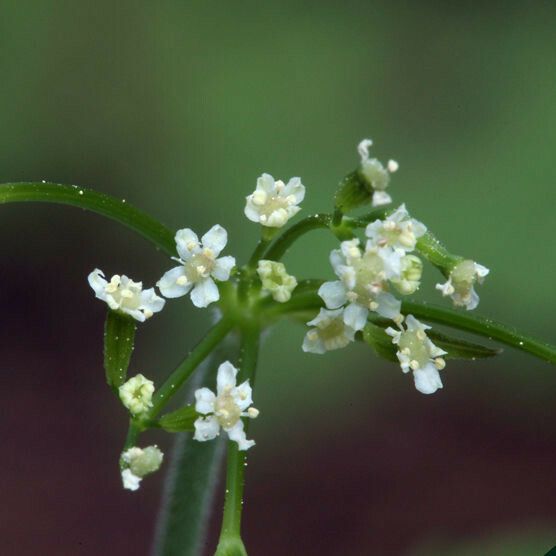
(230, 543)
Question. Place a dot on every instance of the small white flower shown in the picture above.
(225, 408)
(136, 394)
(329, 332)
(461, 281)
(398, 231)
(199, 266)
(375, 174)
(363, 282)
(410, 275)
(272, 203)
(417, 353)
(140, 462)
(276, 280)
(126, 296)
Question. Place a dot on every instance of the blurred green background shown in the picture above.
(178, 107)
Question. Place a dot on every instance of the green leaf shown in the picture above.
(180, 420)
(192, 477)
(119, 336)
(115, 209)
(461, 349)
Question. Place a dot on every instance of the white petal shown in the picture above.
(98, 283)
(206, 428)
(355, 316)
(222, 268)
(388, 305)
(130, 481)
(215, 239)
(473, 300)
(243, 395)
(481, 271)
(267, 184)
(296, 188)
(395, 334)
(427, 379)
(204, 293)
(277, 218)
(381, 198)
(187, 243)
(137, 314)
(151, 302)
(168, 285)
(204, 401)
(337, 259)
(251, 211)
(237, 434)
(419, 229)
(226, 377)
(312, 343)
(333, 294)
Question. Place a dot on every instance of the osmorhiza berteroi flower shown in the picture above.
(329, 332)
(199, 266)
(136, 394)
(126, 296)
(225, 409)
(417, 353)
(273, 203)
(460, 284)
(139, 463)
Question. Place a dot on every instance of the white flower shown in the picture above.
(398, 231)
(276, 280)
(375, 174)
(418, 354)
(126, 296)
(272, 203)
(225, 408)
(199, 266)
(461, 281)
(363, 282)
(410, 275)
(140, 462)
(136, 394)
(330, 332)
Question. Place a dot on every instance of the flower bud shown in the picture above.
(136, 394)
(410, 276)
(276, 280)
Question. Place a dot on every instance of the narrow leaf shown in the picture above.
(461, 349)
(352, 192)
(119, 336)
(382, 344)
(180, 420)
(119, 210)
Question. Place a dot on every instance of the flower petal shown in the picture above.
(222, 268)
(312, 343)
(187, 243)
(215, 239)
(204, 401)
(98, 283)
(388, 306)
(243, 395)
(333, 294)
(355, 316)
(168, 284)
(296, 188)
(226, 377)
(237, 434)
(427, 379)
(129, 480)
(206, 428)
(204, 293)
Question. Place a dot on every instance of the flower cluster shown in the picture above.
(138, 463)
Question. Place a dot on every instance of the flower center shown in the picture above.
(200, 266)
(412, 343)
(369, 277)
(226, 410)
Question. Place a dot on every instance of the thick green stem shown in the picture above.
(184, 370)
(230, 543)
(82, 197)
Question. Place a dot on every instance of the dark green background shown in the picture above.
(178, 107)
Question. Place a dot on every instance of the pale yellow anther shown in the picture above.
(181, 280)
(190, 245)
(128, 294)
(390, 225)
(253, 412)
(201, 269)
(259, 198)
(148, 313)
(351, 297)
(313, 335)
(405, 351)
(414, 364)
(439, 363)
(393, 166)
(421, 335)
(354, 252)
(373, 305)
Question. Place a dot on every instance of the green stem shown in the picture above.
(82, 197)
(483, 327)
(190, 363)
(278, 249)
(230, 543)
